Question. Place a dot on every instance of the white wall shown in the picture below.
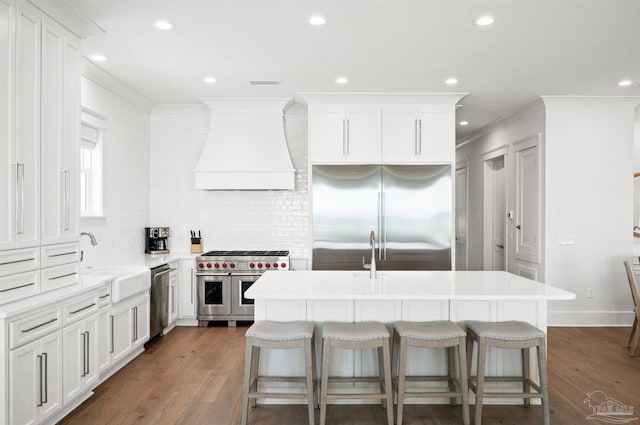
(251, 219)
(526, 124)
(589, 194)
(120, 233)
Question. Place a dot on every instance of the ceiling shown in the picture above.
(535, 47)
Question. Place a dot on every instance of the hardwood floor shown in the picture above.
(194, 376)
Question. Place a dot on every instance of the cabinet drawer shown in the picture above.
(58, 277)
(80, 307)
(19, 286)
(104, 295)
(19, 260)
(34, 326)
(55, 255)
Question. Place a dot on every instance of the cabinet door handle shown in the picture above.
(82, 309)
(62, 275)
(17, 287)
(344, 137)
(84, 355)
(16, 261)
(19, 198)
(133, 324)
(67, 201)
(192, 277)
(39, 357)
(348, 141)
(88, 354)
(112, 342)
(24, 331)
(45, 374)
(420, 137)
(415, 137)
(63, 254)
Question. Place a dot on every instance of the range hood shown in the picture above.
(246, 147)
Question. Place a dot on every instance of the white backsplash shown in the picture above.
(248, 219)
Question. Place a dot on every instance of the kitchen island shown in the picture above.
(352, 296)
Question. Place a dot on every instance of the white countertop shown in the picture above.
(401, 285)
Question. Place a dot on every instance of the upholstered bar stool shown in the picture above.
(518, 335)
(440, 334)
(276, 335)
(357, 336)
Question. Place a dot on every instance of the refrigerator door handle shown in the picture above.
(379, 225)
(383, 237)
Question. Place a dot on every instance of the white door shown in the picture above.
(495, 213)
(104, 340)
(187, 290)
(327, 135)
(7, 165)
(363, 135)
(24, 384)
(141, 325)
(437, 136)
(527, 229)
(74, 341)
(122, 332)
(51, 352)
(399, 135)
(461, 218)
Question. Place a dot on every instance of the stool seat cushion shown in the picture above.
(512, 331)
(365, 331)
(280, 331)
(442, 329)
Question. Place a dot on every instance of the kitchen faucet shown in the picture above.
(94, 242)
(371, 267)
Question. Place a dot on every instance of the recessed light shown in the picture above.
(463, 123)
(163, 25)
(317, 20)
(483, 21)
(342, 80)
(98, 57)
(625, 83)
(209, 80)
(451, 81)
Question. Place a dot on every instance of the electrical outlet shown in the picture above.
(590, 293)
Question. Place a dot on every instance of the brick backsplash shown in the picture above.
(265, 219)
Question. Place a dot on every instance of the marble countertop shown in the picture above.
(401, 285)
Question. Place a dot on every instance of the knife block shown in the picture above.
(196, 248)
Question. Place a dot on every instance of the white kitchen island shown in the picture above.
(352, 296)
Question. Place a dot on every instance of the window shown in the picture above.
(92, 133)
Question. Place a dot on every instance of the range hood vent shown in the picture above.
(246, 147)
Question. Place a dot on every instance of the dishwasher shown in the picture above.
(159, 303)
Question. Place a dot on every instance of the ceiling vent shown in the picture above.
(246, 147)
(265, 82)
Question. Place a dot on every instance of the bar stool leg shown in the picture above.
(308, 373)
(255, 371)
(402, 372)
(324, 381)
(482, 355)
(383, 402)
(464, 381)
(542, 368)
(248, 362)
(316, 398)
(451, 371)
(388, 386)
(526, 376)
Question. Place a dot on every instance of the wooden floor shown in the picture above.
(194, 376)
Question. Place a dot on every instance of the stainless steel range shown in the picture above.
(222, 277)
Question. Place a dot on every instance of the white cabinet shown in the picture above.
(129, 326)
(172, 305)
(35, 380)
(424, 134)
(345, 134)
(105, 338)
(187, 290)
(60, 143)
(81, 357)
(19, 126)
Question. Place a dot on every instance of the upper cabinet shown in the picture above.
(379, 128)
(60, 139)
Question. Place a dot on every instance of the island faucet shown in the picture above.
(372, 266)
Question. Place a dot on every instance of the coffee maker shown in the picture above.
(156, 240)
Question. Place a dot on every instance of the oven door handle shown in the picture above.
(247, 274)
(212, 274)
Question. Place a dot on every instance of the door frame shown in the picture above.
(459, 166)
(487, 257)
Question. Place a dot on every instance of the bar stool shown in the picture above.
(276, 335)
(440, 334)
(357, 336)
(519, 335)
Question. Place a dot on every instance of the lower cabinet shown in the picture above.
(105, 338)
(187, 290)
(129, 323)
(35, 380)
(81, 357)
(172, 305)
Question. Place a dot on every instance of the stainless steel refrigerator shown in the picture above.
(409, 207)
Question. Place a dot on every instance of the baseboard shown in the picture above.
(590, 318)
(187, 322)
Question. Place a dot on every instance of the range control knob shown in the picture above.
(208, 265)
(232, 265)
(267, 265)
(224, 265)
(283, 265)
(252, 265)
(216, 265)
(259, 265)
(275, 265)
(200, 266)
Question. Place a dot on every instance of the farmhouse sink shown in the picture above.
(127, 281)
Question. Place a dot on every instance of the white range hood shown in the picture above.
(246, 146)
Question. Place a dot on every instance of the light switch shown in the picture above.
(567, 239)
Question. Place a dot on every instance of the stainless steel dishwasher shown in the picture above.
(159, 311)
